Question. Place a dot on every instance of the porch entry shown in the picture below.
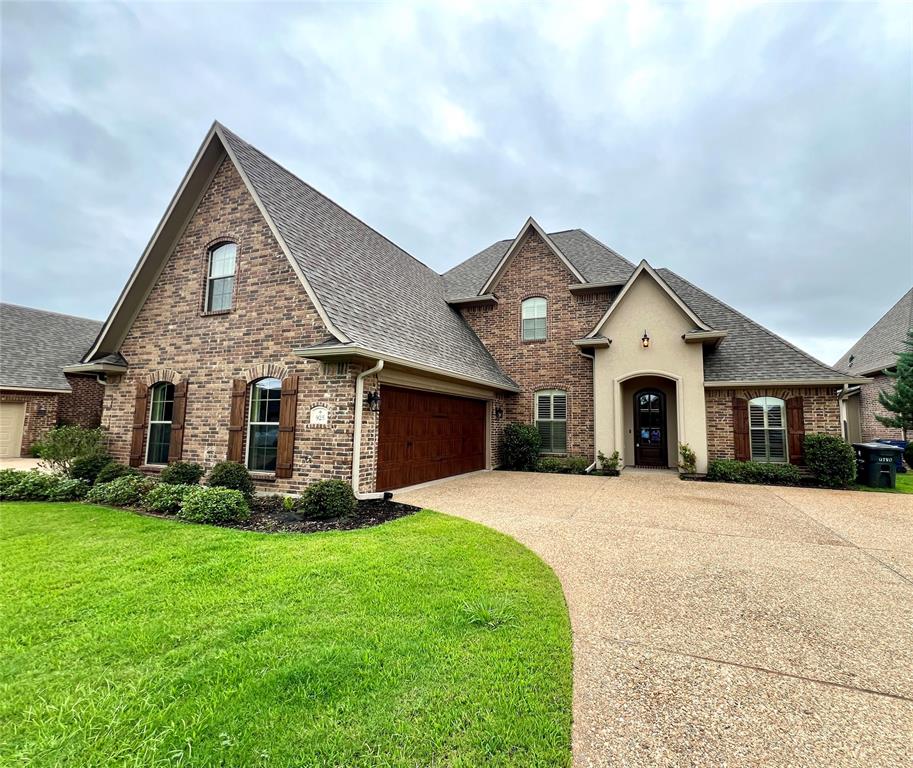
(650, 438)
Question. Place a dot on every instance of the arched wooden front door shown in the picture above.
(650, 429)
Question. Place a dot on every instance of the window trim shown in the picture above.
(523, 304)
(767, 430)
(551, 393)
(150, 422)
(211, 248)
(251, 423)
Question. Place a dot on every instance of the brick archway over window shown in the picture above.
(163, 374)
(265, 371)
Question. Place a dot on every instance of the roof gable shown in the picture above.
(878, 347)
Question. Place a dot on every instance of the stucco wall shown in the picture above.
(647, 307)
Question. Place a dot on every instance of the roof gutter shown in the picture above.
(352, 350)
(782, 383)
(356, 438)
(95, 368)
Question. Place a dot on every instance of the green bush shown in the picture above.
(327, 498)
(520, 445)
(31, 485)
(688, 463)
(574, 465)
(125, 491)
(68, 489)
(550, 464)
(61, 445)
(112, 470)
(87, 467)
(908, 454)
(181, 473)
(608, 463)
(728, 471)
(231, 474)
(166, 498)
(831, 461)
(214, 505)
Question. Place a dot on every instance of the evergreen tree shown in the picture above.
(899, 402)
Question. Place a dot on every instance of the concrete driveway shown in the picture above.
(720, 624)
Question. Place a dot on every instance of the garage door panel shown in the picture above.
(425, 436)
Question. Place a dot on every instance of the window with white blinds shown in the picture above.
(551, 420)
(767, 425)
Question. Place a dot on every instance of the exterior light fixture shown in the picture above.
(645, 340)
(499, 412)
(372, 401)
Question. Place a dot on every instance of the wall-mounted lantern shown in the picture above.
(645, 340)
(499, 412)
(372, 401)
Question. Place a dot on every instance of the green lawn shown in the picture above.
(135, 641)
(904, 485)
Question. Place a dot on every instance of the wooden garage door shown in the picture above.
(425, 436)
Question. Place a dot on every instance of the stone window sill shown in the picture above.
(216, 313)
(533, 341)
(152, 468)
(263, 477)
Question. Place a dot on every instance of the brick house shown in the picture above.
(36, 393)
(266, 324)
(875, 353)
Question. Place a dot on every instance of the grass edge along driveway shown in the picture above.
(136, 641)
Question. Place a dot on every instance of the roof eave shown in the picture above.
(578, 288)
(19, 388)
(95, 368)
(356, 352)
(595, 342)
(793, 382)
(489, 299)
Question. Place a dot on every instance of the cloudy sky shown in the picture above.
(763, 153)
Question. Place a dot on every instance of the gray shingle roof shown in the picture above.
(373, 291)
(595, 261)
(749, 351)
(35, 345)
(878, 347)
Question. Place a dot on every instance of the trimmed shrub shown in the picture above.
(520, 445)
(214, 505)
(31, 485)
(87, 467)
(327, 498)
(575, 465)
(113, 470)
(68, 489)
(688, 463)
(729, 471)
(608, 464)
(166, 498)
(181, 473)
(231, 474)
(126, 491)
(831, 461)
(550, 464)
(61, 445)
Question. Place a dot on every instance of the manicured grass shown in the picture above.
(135, 641)
(904, 485)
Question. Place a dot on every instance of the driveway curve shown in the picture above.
(720, 624)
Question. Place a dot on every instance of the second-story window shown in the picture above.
(220, 281)
(533, 313)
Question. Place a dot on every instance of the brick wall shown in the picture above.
(869, 406)
(83, 404)
(40, 414)
(271, 316)
(551, 364)
(821, 413)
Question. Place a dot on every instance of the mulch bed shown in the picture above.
(267, 518)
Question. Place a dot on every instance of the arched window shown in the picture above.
(220, 278)
(161, 412)
(551, 420)
(767, 425)
(263, 425)
(533, 312)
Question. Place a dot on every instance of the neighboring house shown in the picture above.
(870, 357)
(35, 393)
(267, 325)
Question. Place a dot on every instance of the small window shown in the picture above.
(220, 283)
(551, 420)
(533, 313)
(160, 415)
(263, 425)
(767, 424)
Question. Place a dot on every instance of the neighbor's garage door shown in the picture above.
(426, 436)
(12, 416)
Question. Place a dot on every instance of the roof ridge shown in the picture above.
(51, 312)
(755, 323)
(327, 198)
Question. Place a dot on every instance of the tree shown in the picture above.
(900, 401)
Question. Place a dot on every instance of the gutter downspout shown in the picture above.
(356, 439)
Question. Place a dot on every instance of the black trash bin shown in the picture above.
(876, 464)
